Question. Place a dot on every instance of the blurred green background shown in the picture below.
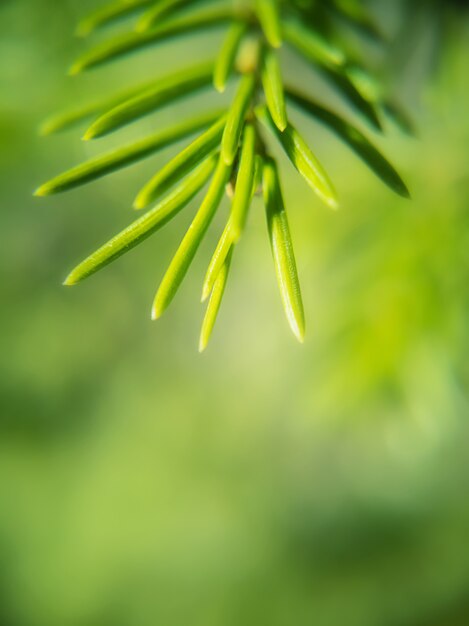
(263, 483)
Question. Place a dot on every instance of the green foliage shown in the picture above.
(282, 250)
(250, 55)
(117, 159)
(301, 157)
(191, 241)
(181, 165)
(145, 226)
(150, 99)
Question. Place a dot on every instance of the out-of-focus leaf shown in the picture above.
(121, 157)
(400, 117)
(160, 9)
(144, 226)
(164, 90)
(355, 139)
(181, 164)
(282, 250)
(357, 16)
(273, 88)
(109, 13)
(367, 84)
(128, 42)
(333, 72)
(311, 44)
(268, 13)
(302, 158)
(227, 56)
(349, 91)
(191, 241)
(68, 118)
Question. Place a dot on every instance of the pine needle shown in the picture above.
(273, 88)
(227, 58)
(164, 90)
(236, 118)
(191, 241)
(282, 250)
(302, 158)
(144, 226)
(214, 303)
(121, 157)
(244, 183)
(183, 163)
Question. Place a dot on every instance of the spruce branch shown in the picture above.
(230, 152)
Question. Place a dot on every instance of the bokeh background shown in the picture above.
(265, 482)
